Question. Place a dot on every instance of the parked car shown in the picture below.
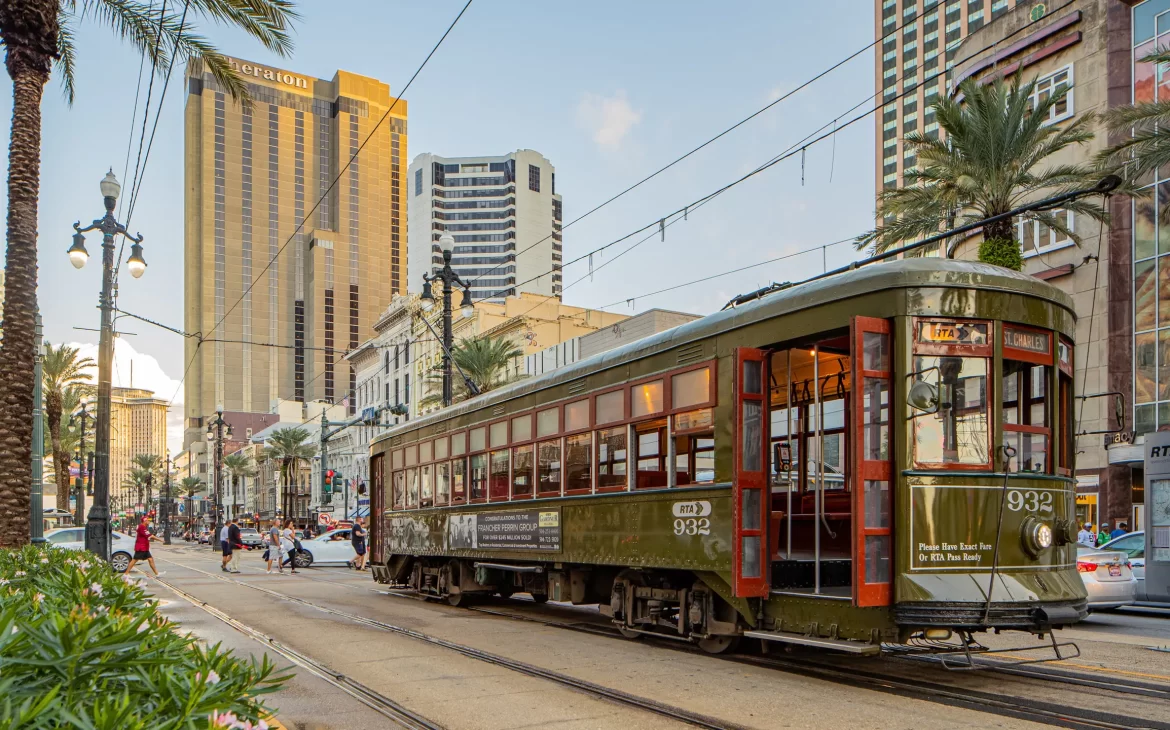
(251, 538)
(1108, 577)
(332, 548)
(205, 537)
(73, 538)
(1133, 545)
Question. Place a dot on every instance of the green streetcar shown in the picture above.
(882, 456)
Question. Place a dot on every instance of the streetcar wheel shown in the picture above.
(719, 644)
(539, 597)
(458, 600)
(505, 594)
(629, 633)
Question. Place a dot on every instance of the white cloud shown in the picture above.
(609, 118)
(142, 371)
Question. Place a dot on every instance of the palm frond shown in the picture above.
(66, 60)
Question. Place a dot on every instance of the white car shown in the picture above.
(73, 538)
(1108, 577)
(332, 548)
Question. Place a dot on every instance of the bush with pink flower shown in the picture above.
(82, 648)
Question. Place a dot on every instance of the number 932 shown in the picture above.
(1029, 501)
(692, 526)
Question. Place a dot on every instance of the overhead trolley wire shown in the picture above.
(301, 224)
(725, 132)
(799, 148)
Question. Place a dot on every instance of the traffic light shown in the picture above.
(329, 475)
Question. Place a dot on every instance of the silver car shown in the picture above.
(1108, 577)
(73, 538)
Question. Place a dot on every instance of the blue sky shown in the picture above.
(607, 91)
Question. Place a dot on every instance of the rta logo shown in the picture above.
(1159, 452)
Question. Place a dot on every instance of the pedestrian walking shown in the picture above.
(236, 544)
(142, 547)
(357, 537)
(1086, 536)
(274, 552)
(225, 546)
(290, 544)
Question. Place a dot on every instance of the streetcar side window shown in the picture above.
(694, 447)
(498, 488)
(578, 463)
(957, 432)
(549, 468)
(399, 486)
(412, 488)
(458, 481)
(611, 458)
(1065, 415)
(478, 470)
(522, 471)
(650, 454)
(428, 486)
(1025, 415)
(442, 482)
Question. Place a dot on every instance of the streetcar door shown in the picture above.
(873, 472)
(377, 506)
(751, 473)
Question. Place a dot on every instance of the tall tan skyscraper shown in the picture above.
(918, 43)
(252, 177)
(138, 425)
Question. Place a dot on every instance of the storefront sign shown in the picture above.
(268, 74)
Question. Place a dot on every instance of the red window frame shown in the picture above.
(459, 437)
(936, 349)
(864, 469)
(749, 526)
(1064, 407)
(586, 431)
(1032, 357)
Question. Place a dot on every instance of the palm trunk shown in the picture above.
(28, 66)
(1003, 230)
(60, 458)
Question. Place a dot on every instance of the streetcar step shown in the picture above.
(853, 647)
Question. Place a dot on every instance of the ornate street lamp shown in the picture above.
(448, 278)
(97, 528)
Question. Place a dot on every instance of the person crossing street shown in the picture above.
(274, 550)
(225, 546)
(236, 544)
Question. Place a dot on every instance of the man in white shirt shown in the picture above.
(1086, 536)
(226, 547)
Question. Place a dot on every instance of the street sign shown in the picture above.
(323, 519)
(369, 413)
(326, 508)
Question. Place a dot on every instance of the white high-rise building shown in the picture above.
(495, 208)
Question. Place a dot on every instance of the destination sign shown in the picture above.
(1029, 340)
(953, 333)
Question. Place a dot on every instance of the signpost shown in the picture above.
(1157, 517)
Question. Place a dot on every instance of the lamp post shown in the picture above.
(447, 277)
(216, 431)
(83, 416)
(167, 505)
(97, 528)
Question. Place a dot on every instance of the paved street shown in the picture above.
(311, 617)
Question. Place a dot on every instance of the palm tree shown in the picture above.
(69, 431)
(146, 467)
(38, 36)
(62, 370)
(289, 447)
(191, 485)
(1146, 145)
(989, 160)
(485, 360)
(240, 465)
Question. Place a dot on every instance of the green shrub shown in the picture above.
(1002, 252)
(81, 647)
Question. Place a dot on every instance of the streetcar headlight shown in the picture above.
(1037, 536)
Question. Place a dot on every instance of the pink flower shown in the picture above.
(95, 589)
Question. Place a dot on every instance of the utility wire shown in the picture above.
(725, 132)
(300, 224)
(682, 212)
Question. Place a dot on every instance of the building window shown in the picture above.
(1037, 238)
(1048, 85)
(534, 178)
(418, 181)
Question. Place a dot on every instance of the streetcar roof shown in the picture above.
(918, 272)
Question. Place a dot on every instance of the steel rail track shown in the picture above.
(392, 710)
(1049, 713)
(565, 680)
(997, 704)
